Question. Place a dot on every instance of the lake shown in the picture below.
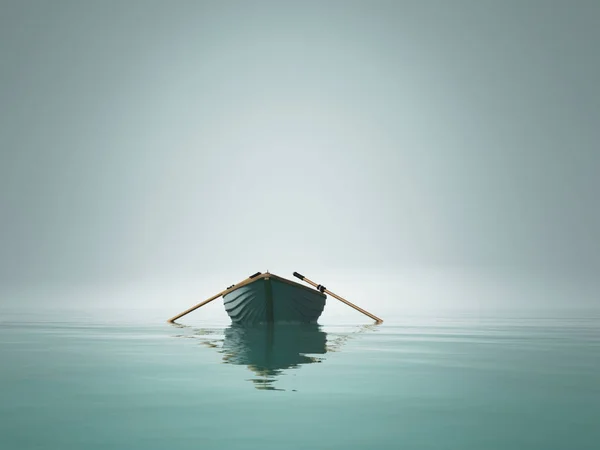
(77, 378)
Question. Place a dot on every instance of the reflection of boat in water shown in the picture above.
(268, 349)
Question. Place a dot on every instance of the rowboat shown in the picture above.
(268, 298)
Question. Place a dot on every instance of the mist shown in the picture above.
(179, 142)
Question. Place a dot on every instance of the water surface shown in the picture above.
(462, 381)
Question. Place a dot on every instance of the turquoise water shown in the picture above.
(465, 381)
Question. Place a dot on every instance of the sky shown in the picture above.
(149, 139)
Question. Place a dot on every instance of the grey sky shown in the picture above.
(142, 138)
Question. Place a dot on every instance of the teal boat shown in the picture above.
(267, 298)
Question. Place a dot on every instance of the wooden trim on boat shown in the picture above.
(275, 277)
(293, 283)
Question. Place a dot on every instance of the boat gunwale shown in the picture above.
(268, 275)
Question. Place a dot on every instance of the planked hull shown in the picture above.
(269, 299)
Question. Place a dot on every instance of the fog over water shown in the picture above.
(447, 152)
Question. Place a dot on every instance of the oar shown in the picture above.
(214, 297)
(324, 289)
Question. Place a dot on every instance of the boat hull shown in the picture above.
(269, 299)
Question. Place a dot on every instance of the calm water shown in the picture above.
(423, 382)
